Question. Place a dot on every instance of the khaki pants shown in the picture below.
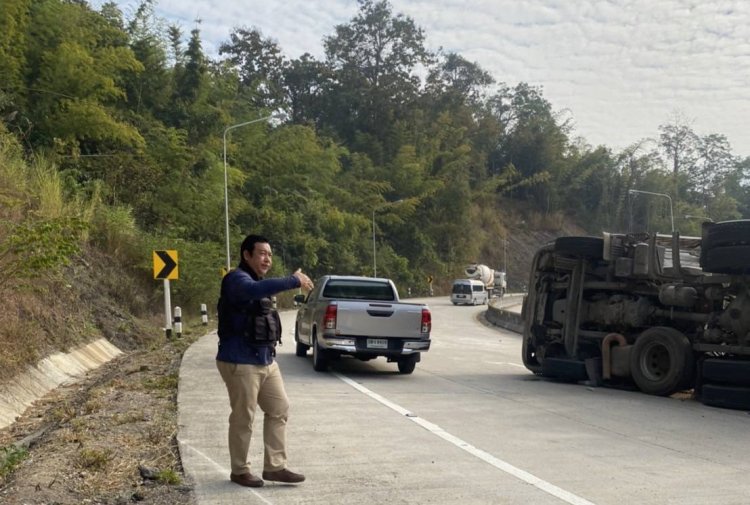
(248, 386)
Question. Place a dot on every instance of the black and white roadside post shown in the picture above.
(204, 314)
(165, 267)
(167, 310)
(178, 321)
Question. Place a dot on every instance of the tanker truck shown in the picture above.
(493, 280)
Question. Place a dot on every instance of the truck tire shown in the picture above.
(587, 247)
(727, 397)
(730, 259)
(569, 370)
(726, 371)
(320, 359)
(301, 349)
(408, 364)
(727, 233)
(662, 362)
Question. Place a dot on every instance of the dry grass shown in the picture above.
(102, 432)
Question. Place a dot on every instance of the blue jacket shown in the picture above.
(241, 287)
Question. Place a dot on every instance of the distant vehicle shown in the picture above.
(493, 280)
(664, 312)
(469, 292)
(361, 317)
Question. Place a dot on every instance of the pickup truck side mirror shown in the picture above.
(300, 298)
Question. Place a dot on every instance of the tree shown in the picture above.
(259, 64)
(193, 109)
(737, 186)
(78, 62)
(150, 89)
(678, 142)
(306, 83)
(458, 80)
(533, 141)
(713, 164)
(14, 19)
(374, 58)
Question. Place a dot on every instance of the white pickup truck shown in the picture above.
(361, 317)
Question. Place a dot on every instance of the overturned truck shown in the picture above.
(661, 312)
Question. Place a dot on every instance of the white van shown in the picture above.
(469, 292)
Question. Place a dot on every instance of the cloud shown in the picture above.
(621, 67)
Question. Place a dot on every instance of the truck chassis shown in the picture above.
(662, 313)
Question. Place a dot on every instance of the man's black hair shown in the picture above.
(249, 244)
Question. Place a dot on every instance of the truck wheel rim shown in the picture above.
(655, 362)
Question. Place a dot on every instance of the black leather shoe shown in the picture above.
(247, 479)
(284, 475)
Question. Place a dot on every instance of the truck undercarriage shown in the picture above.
(661, 312)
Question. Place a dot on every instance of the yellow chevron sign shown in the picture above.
(165, 265)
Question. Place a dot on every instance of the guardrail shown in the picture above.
(506, 312)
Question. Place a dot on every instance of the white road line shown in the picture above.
(506, 467)
(504, 363)
(221, 469)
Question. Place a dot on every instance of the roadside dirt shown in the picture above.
(108, 439)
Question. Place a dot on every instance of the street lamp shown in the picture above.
(226, 184)
(671, 215)
(704, 218)
(374, 252)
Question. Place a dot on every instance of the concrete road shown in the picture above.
(472, 426)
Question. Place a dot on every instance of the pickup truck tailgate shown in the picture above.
(380, 319)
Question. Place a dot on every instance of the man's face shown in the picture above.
(260, 259)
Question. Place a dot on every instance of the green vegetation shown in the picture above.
(10, 458)
(94, 459)
(168, 476)
(112, 133)
(166, 383)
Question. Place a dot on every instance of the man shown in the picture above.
(249, 329)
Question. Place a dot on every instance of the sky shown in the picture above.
(617, 68)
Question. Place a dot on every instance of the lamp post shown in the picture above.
(374, 252)
(505, 255)
(226, 183)
(671, 215)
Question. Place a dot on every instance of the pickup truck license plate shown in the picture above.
(377, 343)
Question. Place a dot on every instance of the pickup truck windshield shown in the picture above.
(359, 290)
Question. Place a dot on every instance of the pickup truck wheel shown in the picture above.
(661, 361)
(301, 350)
(407, 365)
(587, 247)
(320, 363)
